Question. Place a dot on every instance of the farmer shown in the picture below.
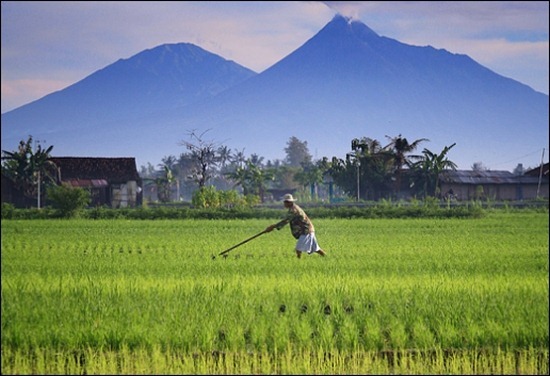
(301, 228)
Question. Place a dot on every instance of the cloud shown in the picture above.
(17, 91)
(351, 9)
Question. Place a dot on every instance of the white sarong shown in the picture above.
(307, 243)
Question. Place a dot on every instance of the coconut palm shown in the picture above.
(400, 147)
(252, 178)
(373, 162)
(239, 158)
(225, 155)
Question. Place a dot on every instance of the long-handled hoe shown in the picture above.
(241, 243)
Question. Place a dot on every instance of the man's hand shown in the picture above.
(269, 228)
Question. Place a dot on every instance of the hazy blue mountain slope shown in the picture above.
(345, 82)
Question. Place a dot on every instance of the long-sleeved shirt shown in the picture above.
(300, 224)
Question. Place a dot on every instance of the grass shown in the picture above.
(402, 296)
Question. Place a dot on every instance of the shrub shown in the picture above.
(7, 210)
(210, 198)
(68, 200)
(206, 197)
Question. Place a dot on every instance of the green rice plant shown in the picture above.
(401, 296)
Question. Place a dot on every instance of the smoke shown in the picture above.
(350, 9)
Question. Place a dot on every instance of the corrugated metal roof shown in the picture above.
(88, 183)
(482, 177)
(536, 171)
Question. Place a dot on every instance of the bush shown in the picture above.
(7, 210)
(68, 200)
(206, 197)
(210, 198)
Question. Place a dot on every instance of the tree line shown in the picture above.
(370, 171)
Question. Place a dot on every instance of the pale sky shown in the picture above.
(49, 45)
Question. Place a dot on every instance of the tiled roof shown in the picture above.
(115, 170)
(536, 171)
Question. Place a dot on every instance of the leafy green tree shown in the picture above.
(240, 177)
(164, 184)
(170, 176)
(206, 197)
(311, 174)
(368, 162)
(225, 155)
(400, 147)
(284, 176)
(344, 174)
(259, 178)
(427, 169)
(147, 171)
(238, 158)
(252, 178)
(29, 168)
(256, 160)
(68, 200)
(297, 152)
(376, 170)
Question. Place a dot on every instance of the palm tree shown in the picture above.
(258, 178)
(252, 178)
(171, 171)
(400, 147)
(310, 174)
(372, 162)
(240, 177)
(256, 160)
(428, 168)
(164, 184)
(239, 158)
(29, 169)
(224, 154)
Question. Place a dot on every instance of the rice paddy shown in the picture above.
(400, 296)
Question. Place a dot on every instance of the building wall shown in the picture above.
(510, 192)
(124, 195)
(530, 191)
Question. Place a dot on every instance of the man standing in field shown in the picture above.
(301, 228)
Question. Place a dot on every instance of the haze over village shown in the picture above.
(346, 81)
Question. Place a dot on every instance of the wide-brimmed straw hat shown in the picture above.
(288, 197)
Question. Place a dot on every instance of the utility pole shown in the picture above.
(540, 172)
(37, 142)
(38, 198)
(357, 165)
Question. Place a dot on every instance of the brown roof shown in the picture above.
(536, 171)
(115, 170)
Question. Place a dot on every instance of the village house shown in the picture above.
(112, 182)
(495, 185)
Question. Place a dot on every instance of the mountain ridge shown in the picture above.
(345, 82)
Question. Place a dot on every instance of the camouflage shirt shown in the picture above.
(300, 224)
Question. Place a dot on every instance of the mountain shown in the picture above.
(79, 119)
(345, 82)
